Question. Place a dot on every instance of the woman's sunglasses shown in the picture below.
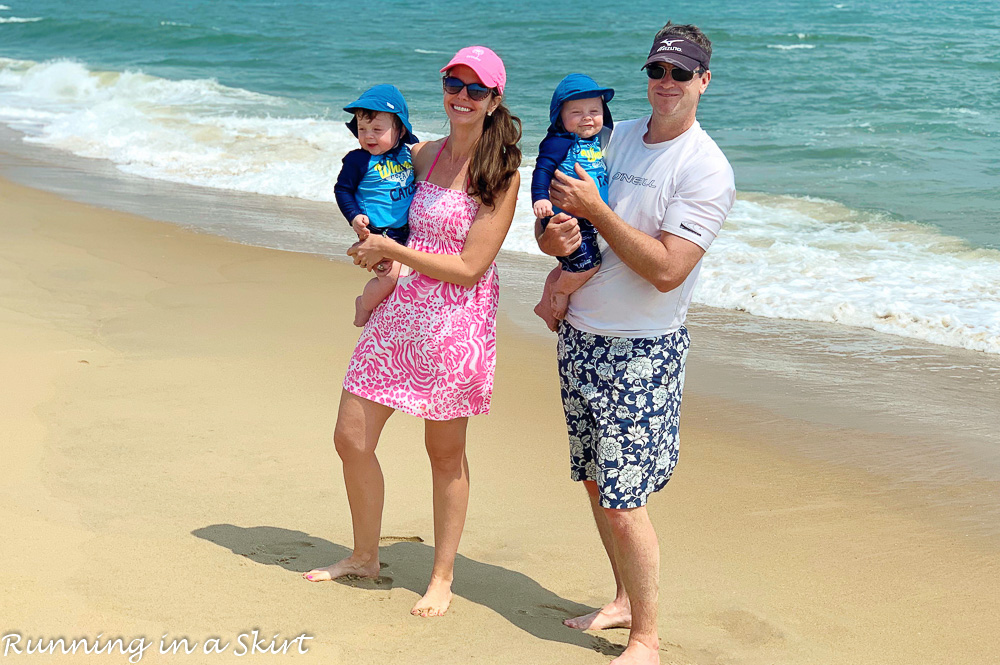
(657, 72)
(476, 91)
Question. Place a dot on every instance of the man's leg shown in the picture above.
(617, 613)
(637, 554)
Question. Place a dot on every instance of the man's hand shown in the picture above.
(578, 196)
(360, 225)
(561, 237)
(542, 208)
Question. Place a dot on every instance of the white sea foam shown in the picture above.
(17, 19)
(802, 258)
(798, 258)
(777, 257)
(4, 8)
(420, 50)
(791, 47)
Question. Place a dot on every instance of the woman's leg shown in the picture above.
(359, 424)
(445, 443)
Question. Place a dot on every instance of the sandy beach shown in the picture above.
(168, 405)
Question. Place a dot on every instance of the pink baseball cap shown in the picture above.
(484, 62)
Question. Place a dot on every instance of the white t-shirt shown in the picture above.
(684, 186)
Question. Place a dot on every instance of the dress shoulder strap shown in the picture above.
(434, 163)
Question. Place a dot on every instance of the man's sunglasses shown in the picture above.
(476, 91)
(657, 72)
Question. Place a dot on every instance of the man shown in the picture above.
(623, 344)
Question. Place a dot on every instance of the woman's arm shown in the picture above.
(481, 246)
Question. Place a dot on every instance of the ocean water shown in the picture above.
(864, 135)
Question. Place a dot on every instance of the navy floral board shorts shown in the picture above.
(622, 399)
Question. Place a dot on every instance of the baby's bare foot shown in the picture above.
(435, 602)
(361, 315)
(348, 566)
(544, 311)
(560, 303)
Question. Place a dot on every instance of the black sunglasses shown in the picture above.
(476, 91)
(656, 72)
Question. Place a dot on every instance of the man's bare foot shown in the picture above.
(361, 315)
(435, 602)
(637, 653)
(348, 566)
(543, 310)
(612, 615)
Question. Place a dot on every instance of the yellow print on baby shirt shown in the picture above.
(592, 154)
(388, 169)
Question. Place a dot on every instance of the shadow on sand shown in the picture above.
(406, 563)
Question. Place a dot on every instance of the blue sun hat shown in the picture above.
(385, 98)
(578, 86)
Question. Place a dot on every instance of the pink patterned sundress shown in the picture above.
(429, 349)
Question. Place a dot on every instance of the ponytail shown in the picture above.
(496, 156)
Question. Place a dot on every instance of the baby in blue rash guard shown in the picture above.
(579, 120)
(375, 183)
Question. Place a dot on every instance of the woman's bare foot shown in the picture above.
(543, 310)
(435, 601)
(637, 653)
(361, 315)
(612, 615)
(348, 566)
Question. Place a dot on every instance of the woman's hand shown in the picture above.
(578, 196)
(371, 251)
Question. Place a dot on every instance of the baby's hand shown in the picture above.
(542, 208)
(360, 225)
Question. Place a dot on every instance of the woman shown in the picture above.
(429, 349)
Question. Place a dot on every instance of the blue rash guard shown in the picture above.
(564, 152)
(379, 186)
(561, 150)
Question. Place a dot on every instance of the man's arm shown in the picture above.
(664, 261)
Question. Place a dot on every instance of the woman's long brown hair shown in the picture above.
(496, 156)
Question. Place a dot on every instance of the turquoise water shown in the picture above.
(888, 106)
(866, 133)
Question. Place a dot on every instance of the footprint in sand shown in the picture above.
(548, 612)
(380, 583)
(605, 647)
(280, 553)
(389, 540)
